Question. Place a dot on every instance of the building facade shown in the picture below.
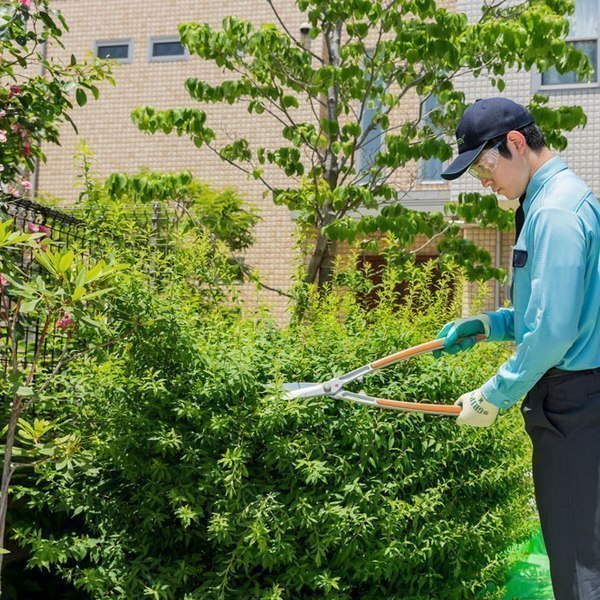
(154, 66)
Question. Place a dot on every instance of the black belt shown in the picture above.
(553, 373)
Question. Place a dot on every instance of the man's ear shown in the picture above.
(518, 141)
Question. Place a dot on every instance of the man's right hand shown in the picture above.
(467, 329)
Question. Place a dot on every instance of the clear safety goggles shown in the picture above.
(485, 166)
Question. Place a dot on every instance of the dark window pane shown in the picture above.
(432, 170)
(114, 52)
(167, 49)
(432, 167)
(588, 47)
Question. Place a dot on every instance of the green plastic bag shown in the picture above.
(529, 577)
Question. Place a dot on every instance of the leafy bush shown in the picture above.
(196, 479)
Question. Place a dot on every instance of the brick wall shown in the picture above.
(118, 145)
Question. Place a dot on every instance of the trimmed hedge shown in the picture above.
(196, 479)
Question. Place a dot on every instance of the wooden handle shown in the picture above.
(419, 407)
(437, 344)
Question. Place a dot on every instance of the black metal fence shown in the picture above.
(61, 228)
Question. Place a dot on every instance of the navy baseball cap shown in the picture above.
(481, 122)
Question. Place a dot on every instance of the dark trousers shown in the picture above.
(562, 418)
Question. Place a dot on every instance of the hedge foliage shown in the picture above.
(195, 478)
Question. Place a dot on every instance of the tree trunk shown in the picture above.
(320, 267)
(7, 471)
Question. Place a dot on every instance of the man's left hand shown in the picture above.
(476, 410)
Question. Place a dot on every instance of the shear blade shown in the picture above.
(302, 390)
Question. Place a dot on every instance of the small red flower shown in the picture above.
(3, 282)
(64, 322)
(15, 89)
(33, 227)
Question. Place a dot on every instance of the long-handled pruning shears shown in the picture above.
(334, 387)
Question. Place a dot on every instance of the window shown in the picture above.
(372, 143)
(583, 35)
(120, 50)
(431, 168)
(162, 49)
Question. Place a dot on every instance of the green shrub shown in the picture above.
(196, 479)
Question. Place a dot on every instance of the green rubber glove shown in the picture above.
(466, 328)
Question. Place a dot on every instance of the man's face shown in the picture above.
(505, 176)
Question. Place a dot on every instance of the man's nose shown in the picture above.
(486, 181)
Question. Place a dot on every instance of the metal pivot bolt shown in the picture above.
(332, 387)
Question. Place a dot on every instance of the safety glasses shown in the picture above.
(485, 166)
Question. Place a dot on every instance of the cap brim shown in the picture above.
(462, 163)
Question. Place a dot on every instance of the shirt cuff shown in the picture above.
(493, 396)
(497, 327)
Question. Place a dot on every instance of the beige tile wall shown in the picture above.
(117, 145)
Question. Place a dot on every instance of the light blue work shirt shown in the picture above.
(555, 319)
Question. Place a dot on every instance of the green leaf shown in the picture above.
(25, 391)
(66, 261)
(289, 101)
(81, 97)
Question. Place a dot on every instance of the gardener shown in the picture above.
(555, 322)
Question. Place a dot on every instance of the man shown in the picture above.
(555, 322)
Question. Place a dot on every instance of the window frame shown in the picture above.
(537, 76)
(161, 39)
(116, 42)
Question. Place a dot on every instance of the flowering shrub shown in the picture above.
(57, 290)
(38, 91)
(198, 480)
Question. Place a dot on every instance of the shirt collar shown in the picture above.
(540, 178)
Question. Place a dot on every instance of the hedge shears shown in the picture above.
(334, 388)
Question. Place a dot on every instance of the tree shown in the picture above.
(41, 90)
(377, 57)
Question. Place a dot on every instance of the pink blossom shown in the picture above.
(26, 148)
(15, 89)
(3, 135)
(27, 186)
(26, 3)
(15, 127)
(14, 192)
(33, 227)
(3, 282)
(45, 229)
(65, 321)
(2, 113)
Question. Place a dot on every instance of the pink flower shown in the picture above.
(15, 89)
(15, 127)
(3, 135)
(65, 321)
(26, 3)
(27, 186)
(33, 227)
(26, 148)
(45, 229)
(3, 282)
(14, 192)
(2, 113)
